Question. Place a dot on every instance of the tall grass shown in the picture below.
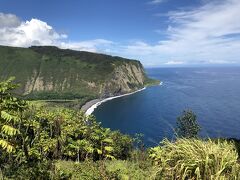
(196, 159)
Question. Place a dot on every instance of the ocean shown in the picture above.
(212, 93)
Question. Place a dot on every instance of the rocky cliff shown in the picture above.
(51, 73)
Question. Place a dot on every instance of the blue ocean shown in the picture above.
(213, 93)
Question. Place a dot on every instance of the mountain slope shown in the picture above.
(47, 72)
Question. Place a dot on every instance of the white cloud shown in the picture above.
(24, 34)
(174, 62)
(9, 20)
(14, 32)
(95, 45)
(208, 34)
(157, 1)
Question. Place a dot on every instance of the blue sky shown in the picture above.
(157, 32)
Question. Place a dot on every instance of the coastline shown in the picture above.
(90, 106)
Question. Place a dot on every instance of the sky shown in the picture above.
(156, 32)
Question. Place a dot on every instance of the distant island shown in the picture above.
(70, 77)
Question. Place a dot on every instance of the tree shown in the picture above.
(11, 109)
(187, 125)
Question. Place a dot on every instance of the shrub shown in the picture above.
(196, 159)
(129, 170)
(187, 125)
(114, 169)
(72, 170)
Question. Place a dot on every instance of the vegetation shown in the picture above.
(187, 125)
(35, 135)
(196, 159)
(47, 72)
(60, 143)
(114, 169)
(151, 82)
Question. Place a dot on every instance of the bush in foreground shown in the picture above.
(196, 159)
(114, 169)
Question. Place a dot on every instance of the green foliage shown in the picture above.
(115, 169)
(85, 170)
(187, 125)
(61, 103)
(68, 134)
(196, 159)
(51, 96)
(34, 134)
(151, 82)
(60, 73)
(129, 170)
(31, 171)
(11, 109)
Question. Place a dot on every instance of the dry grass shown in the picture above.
(196, 159)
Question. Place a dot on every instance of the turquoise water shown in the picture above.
(212, 93)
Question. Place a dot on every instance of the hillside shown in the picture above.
(47, 72)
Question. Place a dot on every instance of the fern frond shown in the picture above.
(9, 130)
(8, 117)
(6, 145)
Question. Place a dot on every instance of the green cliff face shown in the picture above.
(51, 73)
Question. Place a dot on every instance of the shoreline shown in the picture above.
(90, 106)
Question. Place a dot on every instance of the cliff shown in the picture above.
(47, 72)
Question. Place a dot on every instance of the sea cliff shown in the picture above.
(47, 72)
